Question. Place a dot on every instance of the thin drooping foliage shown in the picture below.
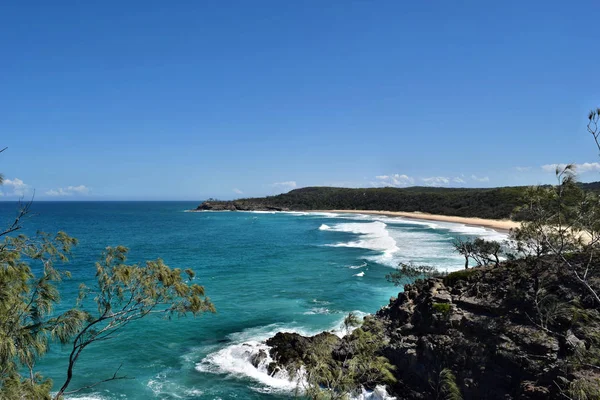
(322, 376)
(563, 220)
(122, 293)
(351, 321)
(483, 252)
(406, 273)
(27, 300)
(593, 126)
(126, 293)
(2, 176)
(447, 388)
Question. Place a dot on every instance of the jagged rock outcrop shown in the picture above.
(515, 331)
(237, 206)
(292, 349)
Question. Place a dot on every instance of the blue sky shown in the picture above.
(194, 99)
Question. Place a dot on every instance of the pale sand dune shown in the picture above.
(497, 224)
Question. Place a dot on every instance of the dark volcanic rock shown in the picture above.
(485, 327)
(291, 349)
(237, 205)
(216, 206)
(258, 358)
(485, 332)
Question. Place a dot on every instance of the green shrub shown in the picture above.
(462, 275)
(443, 308)
(448, 389)
(586, 388)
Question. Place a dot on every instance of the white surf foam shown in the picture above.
(485, 233)
(373, 236)
(379, 393)
(299, 213)
(325, 214)
(358, 266)
(450, 226)
(162, 386)
(318, 310)
(236, 359)
(401, 239)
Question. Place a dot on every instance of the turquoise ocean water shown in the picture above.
(265, 272)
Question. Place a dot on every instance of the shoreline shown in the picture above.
(500, 225)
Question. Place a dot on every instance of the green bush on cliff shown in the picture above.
(447, 388)
(328, 378)
(585, 388)
(462, 275)
(406, 273)
(442, 308)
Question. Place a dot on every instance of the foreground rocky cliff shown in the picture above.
(522, 330)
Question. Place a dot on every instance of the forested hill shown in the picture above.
(497, 203)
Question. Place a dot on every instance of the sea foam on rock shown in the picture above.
(480, 324)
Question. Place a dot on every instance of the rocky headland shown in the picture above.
(489, 203)
(235, 205)
(521, 330)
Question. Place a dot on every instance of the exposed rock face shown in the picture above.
(492, 356)
(237, 206)
(291, 349)
(485, 326)
(216, 206)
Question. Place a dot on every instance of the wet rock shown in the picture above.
(258, 358)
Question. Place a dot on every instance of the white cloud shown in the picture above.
(81, 189)
(580, 168)
(480, 179)
(17, 186)
(284, 185)
(69, 191)
(238, 191)
(393, 180)
(588, 167)
(458, 179)
(436, 181)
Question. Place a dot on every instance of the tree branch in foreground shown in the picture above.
(115, 377)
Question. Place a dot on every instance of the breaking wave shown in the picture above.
(248, 357)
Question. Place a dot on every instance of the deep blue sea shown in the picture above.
(265, 272)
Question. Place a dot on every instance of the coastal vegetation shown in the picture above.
(493, 203)
(517, 330)
(329, 368)
(527, 327)
(482, 251)
(31, 270)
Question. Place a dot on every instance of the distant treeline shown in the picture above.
(497, 203)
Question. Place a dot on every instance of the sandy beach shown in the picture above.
(502, 225)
